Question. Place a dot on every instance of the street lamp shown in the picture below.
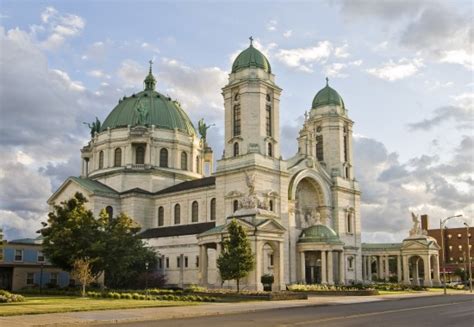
(442, 222)
(468, 256)
(41, 278)
(146, 278)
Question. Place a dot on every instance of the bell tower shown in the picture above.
(252, 107)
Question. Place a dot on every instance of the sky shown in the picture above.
(404, 69)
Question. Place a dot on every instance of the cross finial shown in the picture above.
(151, 63)
(251, 40)
(327, 81)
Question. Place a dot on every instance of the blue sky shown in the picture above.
(403, 68)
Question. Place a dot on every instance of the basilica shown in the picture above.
(301, 214)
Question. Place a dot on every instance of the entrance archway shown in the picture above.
(416, 269)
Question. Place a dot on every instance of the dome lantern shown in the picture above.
(150, 81)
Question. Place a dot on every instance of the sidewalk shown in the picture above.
(116, 316)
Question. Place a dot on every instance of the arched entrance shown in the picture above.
(311, 202)
(416, 270)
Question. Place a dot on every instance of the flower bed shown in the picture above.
(317, 289)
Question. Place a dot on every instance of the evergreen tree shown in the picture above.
(236, 259)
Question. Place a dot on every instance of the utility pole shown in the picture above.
(469, 258)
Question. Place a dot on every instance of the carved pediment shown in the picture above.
(234, 194)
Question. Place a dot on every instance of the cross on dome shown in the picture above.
(251, 40)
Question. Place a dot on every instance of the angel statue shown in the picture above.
(250, 179)
(203, 127)
(415, 230)
(94, 126)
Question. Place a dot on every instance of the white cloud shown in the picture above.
(272, 25)
(304, 58)
(150, 47)
(288, 34)
(59, 27)
(337, 69)
(341, 52)
(97, 73)
(393, 71)
(461, 57)
(132, 73)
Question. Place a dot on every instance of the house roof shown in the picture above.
(179, 230)
(383, 246)
(94, 186)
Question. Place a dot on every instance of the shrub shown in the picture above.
(135, 296)
(126, 296)
(267, 279)
(6, 297)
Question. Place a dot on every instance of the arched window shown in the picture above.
(110, 212)
(140, 155)
(101, 159)
(236, 120)
(236, 205)
(268, 119)
(319, 148)
(184, 161)
(161, 216)
(164, 158)
(270, 205)
(270, 149)
(236, 149)
(118, 157)
(177, 214)
(195, 212)
(349, 222)
(350, 262)
(198, 164)
(213, 209)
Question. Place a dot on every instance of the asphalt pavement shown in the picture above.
(431, 311)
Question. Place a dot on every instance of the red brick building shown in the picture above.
(455, 245)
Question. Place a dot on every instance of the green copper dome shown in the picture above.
(327, 96)
(149, 108)
(251, 57)
(319, 233)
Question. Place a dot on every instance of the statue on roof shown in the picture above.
(416, 229)
(203, 127)
(142, 113)
(250, 180)
(94, 126)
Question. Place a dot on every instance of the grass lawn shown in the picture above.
(51, 304)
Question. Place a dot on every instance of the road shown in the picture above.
(432, 311)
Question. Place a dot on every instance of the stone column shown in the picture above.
(181, 271)
(342, 268)
(258, 267)
(427, 267)
(416, 276)
(203, 265)
(302, 268)
(387, 268)
(323, 268)
(406, 270)
(218, 275)
(369, 267)
(281, 267)
(364, 273)
(163, 264)
(436, 279)
(330, 268)
(399, 268)
(379, 267)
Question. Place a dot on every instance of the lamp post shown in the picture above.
(146, 278)
(442, 222)
(41, 278)
(469, 257)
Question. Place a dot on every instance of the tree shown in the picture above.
(236, 259)
(112, 245)
(73, 233)
(82, 272)
(125, 255)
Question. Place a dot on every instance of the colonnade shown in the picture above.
(407, 268)
(326, 263)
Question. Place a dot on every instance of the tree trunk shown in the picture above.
(83, 288)
(238, 285)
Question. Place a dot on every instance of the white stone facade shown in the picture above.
(283, 204)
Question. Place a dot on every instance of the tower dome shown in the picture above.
(149, 108)
(327, 96)
(251, 57)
